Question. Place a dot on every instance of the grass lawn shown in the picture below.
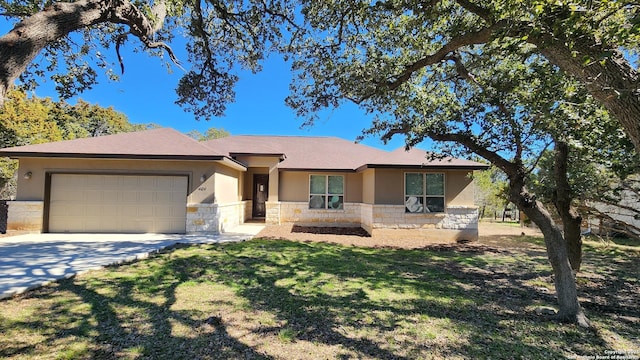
(268, 299)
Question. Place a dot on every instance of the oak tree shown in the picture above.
(70, 39)
(439, 70)
(398, 40)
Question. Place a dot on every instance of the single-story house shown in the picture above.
(162, 181)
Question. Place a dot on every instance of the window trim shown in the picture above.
(424, 195)
(326, 194)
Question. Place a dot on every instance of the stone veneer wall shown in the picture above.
(366, 216)
(215, 218)
(25, 216)
(395, 217)
(300, 214)
(273, 213)
(457, 223)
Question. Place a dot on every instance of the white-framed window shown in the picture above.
(424, 192)
(326, 192)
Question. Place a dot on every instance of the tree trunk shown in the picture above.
(555, 243)
(609, 78)
(20, 46)
(564, 279)
(571, 220)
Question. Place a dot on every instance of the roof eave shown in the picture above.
(423, 167)
(22, 154)
(232, 163)
(281, 156)
(316, 169)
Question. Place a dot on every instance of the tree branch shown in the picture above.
(464, 73)
(483, 13)
(124, 12)
(479, 37)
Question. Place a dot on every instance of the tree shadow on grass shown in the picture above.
(371, 303)
(120, 325)
(316, 315)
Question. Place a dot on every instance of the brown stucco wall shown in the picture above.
(227, 185)
(199, 192)
(369, 186)
(389, 187)
(294, 185)
(459, 189)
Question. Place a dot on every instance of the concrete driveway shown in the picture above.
(32, 260)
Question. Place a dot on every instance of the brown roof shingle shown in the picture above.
(295, 152)
(330, 153)
(162, 143)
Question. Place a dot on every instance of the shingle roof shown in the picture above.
(300, 152)
(163, 143)
(330, 153)
(295, 152)
(421, 158)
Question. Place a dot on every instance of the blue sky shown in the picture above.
(145, 93)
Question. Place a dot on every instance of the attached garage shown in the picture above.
(110, 203)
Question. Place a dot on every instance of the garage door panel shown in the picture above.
(117, 203)
(94, 197)
(144, 196)
(147, 211)
(164, 212)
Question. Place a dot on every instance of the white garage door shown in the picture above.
(118, 203)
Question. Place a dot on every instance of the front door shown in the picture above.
(260, 195)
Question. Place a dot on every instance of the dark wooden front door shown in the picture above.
(260, 195)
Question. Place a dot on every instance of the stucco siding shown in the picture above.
(459, 188)
(227, 186)
(369, 186)
(389, 187)
(353, 188)
(294, 185)
(34, 188)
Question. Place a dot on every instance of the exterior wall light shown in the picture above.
(203, 178)
(28, 175)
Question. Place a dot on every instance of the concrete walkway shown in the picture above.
(32, 260)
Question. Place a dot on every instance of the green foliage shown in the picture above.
(220, 38)
(30, 120)
(490, 190)
(210, 134)
(469, 75)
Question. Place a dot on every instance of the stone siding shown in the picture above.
(457, 223)
(25, 216)
(215, 218)
(366, 217)
(300, 214)
(273, 213)
(395, 217)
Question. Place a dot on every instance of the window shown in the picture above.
(326, 192)
(423, 192)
